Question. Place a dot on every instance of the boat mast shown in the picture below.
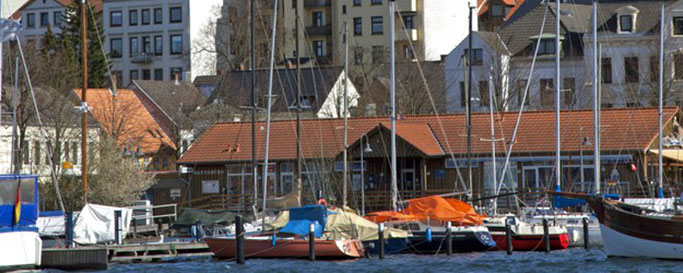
(253, 111)
(468, 109)
(660, 169)
(345, 113)
(270, 96)
(558, 165)
(84, 104)
(394, 184)
(596, 103)
(298, 106)
(493, 145)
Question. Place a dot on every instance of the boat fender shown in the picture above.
(273, 240)
(429, 234)
(322, 201)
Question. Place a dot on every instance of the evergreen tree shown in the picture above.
(71, 43)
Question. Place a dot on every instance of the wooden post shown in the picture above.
(546, 235)
(508, 238)
(449, 239)
(117, 227)
(239, 236)
(380, 233)
(586, 238)
(311, 242)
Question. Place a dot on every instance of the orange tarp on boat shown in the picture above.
(432, 208)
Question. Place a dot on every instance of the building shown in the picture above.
(432, 156)
(493, 13)
(37, 16)
(322, 91)
(159, 40)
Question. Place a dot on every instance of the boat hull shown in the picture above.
(225, 248)
(532, 242)
(462, 241)
(618, 244)
(576, 236)
(391, 246)
(20, 250)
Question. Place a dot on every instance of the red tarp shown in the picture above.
(433, 208)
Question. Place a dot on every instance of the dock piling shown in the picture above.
(380, 233)
(311, 242)
(586, 238)
(117, 227)
(69, 229)
(508, 238)
(239, 235)
(546, 235)
(449, 239)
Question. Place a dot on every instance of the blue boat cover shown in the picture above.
(563, 202)
(51, 213)
(28, 202)
(302, 217)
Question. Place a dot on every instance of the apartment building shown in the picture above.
(159, 40)
(37, 15)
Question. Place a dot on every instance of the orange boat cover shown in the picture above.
(432, 208)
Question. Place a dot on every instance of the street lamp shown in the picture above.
(585, 142)
(367, 149)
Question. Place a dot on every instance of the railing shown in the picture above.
(149, 219)
(220, 201)
(142, 58)
(325, 30)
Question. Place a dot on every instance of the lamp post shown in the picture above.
(584, 142)
(367, 149)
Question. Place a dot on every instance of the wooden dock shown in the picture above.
(157, 252)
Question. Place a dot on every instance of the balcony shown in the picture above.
(325, 30)
(323, 60)
(406, 6)
(142, 58)
(317, 3)
(401, 35)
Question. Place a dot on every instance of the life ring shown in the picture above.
(322, 201)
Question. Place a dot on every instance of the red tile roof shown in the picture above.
(625, 129)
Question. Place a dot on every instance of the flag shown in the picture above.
(17, 205)
(9, 29)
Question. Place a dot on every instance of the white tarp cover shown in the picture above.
(95, 224)
(52, 225)
(656, 204)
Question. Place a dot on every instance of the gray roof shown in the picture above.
(494, 41)
(648, 15)
(207, 80)
(173, 101)
(316, 83)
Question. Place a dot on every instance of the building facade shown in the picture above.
(36, 16)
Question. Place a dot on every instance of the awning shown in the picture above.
(673, 154)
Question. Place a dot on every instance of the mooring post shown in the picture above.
(546, 235)
(117, 227)
(380, 233)
(311, 242)
(449, 239)
(508, 238)
(135, 227)
(239, 235)
(586, 238)
(69, 229)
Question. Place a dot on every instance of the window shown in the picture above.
(158, 16)
(606, 70)
(176, 71)
(133, 17)
(116, 47)
(546, 46)
(377, 27)
(57, 18)
(463, 94)
(343, 9)
(146, 74)
(375, 2)
(484, 93)
(546, 91)
(158, 45)
(318, 19)
(568, 92)
(66, 151)
(631, 69)
(678, 66)
(626, 23)
(48, 148)
(44, 19)
(133, 75)
(358, 56)
(357, 2)
(146, 17)
(147, 45)
(408, 21)
(654, 68)
(319, 48)
(115, 19)
(357, 26)
(36, 153)
(497, 11)
(377, 54)
(477, 56)
(25, 152)
(409, 52)
(176, 44)
(678, 25)
(176, 15)
(74, 153)
(521, 86)
(159, 74)
(30, 20)
(134, 46)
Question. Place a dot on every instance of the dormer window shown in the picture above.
(546, 46)
(497, 11)
(678, 26)
(626, 23)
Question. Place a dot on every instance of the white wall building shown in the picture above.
(37, 15)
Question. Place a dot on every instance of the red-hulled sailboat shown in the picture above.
(526, 237)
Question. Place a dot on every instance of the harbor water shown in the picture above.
(570, 260)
